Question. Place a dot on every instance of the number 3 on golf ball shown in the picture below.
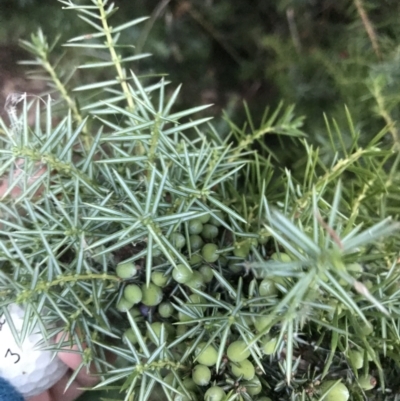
(28, 368)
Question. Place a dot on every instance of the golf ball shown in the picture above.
(28, 368)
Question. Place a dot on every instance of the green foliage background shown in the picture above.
(316, 54)
(305, 206)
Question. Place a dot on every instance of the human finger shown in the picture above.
(45, 396)
(59, 392)
(72, 357)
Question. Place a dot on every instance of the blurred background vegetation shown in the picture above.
(317, 54)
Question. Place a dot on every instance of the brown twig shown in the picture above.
(206, 25)
(149, 25)
(368, 27)
(332, 233)
(294, 33)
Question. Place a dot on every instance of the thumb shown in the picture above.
(9, 392)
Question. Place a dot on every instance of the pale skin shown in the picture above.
(58, 392)
(71, 359)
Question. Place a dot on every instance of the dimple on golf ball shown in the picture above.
(28, 368)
